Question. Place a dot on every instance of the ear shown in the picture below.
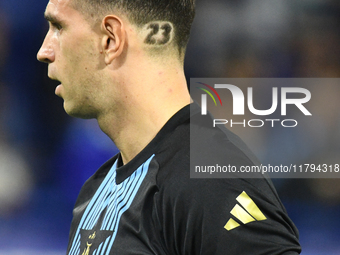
(113, 40)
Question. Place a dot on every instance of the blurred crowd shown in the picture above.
(45, 156)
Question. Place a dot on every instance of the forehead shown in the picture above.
(60, 8)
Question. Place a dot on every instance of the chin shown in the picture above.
(78, 112)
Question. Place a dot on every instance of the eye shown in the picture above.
(56, 25)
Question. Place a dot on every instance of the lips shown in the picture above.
(58, 90)
(53, 77)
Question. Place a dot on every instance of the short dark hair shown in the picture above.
(180, 13)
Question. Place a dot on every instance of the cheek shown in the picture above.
(70, 66)
(79, 64)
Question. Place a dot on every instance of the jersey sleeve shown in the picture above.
(231, 216)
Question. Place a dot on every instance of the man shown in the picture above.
(121, 62)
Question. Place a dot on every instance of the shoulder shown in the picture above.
(201, 214)
(196, 143)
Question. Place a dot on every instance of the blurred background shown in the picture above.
(46, 156)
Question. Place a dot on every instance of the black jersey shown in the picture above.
(152, 206)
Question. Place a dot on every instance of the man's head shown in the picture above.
(100, 50)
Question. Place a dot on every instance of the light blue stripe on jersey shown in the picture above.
(114, 207)
(103, 201)
(117, 199)
(128, 203)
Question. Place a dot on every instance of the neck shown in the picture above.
(150, 99)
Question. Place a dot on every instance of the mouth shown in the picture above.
(57, 81)
(58, 85)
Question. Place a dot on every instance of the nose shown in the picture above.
(46, 53)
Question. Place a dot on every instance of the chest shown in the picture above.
(118, 218)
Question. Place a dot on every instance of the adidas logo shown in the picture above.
(247, 213)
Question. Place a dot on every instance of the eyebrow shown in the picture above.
(51, 18)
